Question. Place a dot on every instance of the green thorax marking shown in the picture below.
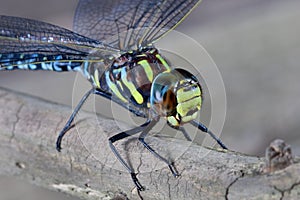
(131, 75)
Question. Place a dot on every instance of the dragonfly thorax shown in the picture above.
(130, 76)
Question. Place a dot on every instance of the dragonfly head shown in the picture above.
(176, 95)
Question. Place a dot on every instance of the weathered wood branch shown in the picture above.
(87, 168)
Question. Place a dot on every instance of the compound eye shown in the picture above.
(162, 95)
(169, 102)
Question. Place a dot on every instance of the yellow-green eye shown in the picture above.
(176, 95)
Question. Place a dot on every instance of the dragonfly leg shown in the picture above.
(203, 128)
(68, 125)
(71, 119)
(185, 133)
(123, 135)
(142, 140)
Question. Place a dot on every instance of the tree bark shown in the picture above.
(86, 168)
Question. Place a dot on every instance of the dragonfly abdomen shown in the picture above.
(37, 61)
(131, 75)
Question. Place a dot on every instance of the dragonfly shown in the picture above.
(112, 46)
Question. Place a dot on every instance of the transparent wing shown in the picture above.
(131, 23)
(23, 41)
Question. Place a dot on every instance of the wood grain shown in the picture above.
(87, 169)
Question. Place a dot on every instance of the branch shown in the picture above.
(86, 167)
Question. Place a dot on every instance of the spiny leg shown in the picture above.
(123, 135)
(142, 140)
(68, 125)
(203, 128)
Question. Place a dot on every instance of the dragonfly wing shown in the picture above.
(132, 23)
(26, 41)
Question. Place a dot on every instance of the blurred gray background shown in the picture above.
(255, 44)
